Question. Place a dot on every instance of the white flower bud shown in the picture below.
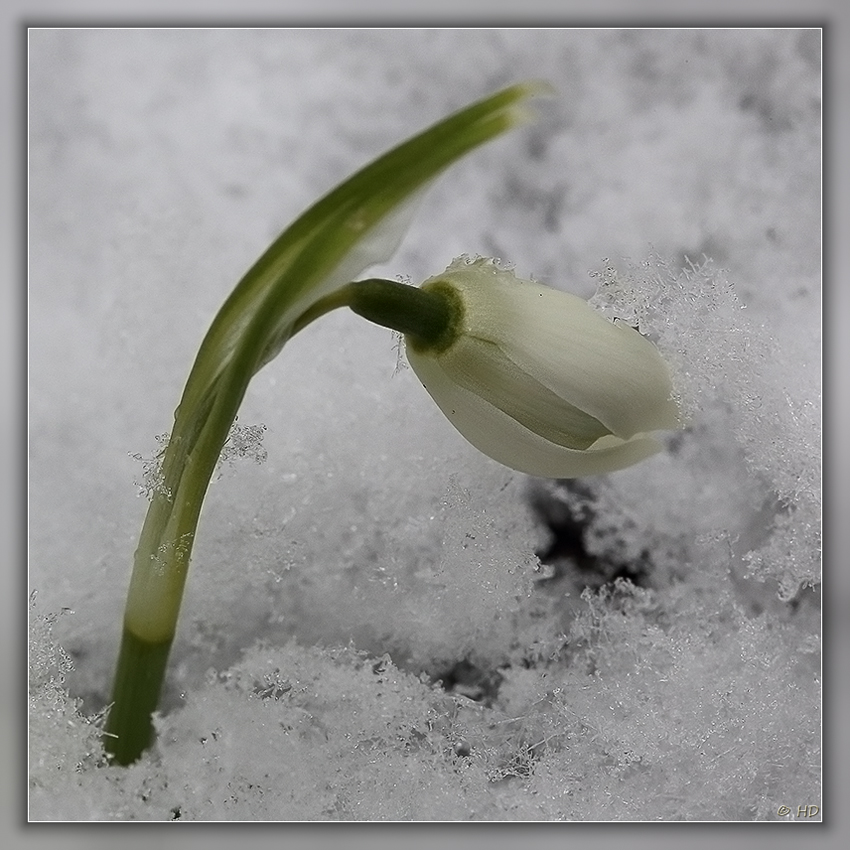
(539, 381)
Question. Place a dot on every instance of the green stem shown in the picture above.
(138, 683)
(429, 316)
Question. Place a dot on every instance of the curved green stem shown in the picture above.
(430, 317)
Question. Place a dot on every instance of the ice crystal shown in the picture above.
(152, 481)
(244, 441)
(64, 742)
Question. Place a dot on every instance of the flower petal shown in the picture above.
(607, 370)
(482, 368)
(509, 442)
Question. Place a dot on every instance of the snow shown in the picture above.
(374, 555)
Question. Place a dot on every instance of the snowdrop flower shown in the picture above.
(537, 379)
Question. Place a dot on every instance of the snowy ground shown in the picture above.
(373, 553)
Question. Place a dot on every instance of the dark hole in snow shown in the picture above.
(568, 509)
(469, 680)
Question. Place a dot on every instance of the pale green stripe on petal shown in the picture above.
(483, 369)
(507, 441)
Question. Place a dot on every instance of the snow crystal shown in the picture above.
(153, 481)
(244, 442)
